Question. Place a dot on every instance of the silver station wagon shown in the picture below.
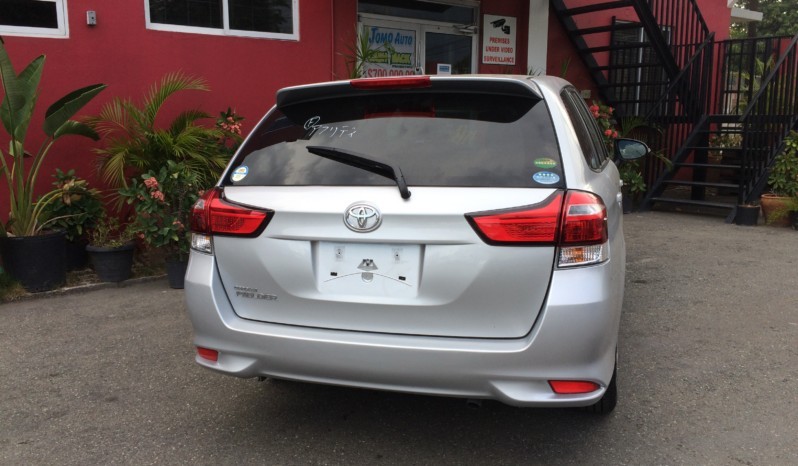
(457, 236)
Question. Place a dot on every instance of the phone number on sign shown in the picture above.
(379, 73)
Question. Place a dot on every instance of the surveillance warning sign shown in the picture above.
(498, 40)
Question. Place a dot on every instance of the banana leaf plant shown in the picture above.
(20, 93)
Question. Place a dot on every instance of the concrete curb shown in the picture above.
(84, 288)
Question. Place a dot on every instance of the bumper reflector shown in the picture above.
(572, 387)
(209, 354)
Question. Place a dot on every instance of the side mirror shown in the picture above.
(630, 149)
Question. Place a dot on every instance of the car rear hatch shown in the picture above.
(372, 195)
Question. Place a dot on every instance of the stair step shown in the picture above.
(717, 205)
(612, 48)
(708, 165)
(627, 66)
(635, 85)
(725, 149)
(598, 7)
(705, 184)
(610, 28)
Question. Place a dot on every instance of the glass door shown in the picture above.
(401, 47)
(447, 46)
(393, 48)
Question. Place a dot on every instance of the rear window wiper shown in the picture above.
(363, 162)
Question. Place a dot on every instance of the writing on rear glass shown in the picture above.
(314, 127)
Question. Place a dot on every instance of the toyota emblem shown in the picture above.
(362, 218)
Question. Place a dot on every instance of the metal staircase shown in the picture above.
(724, 160)
(633, 48)
(723, 109)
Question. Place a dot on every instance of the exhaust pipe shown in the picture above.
(473, 404)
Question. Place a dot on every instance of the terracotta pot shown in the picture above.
(775, 209)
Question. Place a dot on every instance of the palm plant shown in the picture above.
(20, 93)
(135, 144)
(361, 54)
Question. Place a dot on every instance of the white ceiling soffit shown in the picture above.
(741, 15)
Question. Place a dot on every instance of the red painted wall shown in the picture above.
(243, 73)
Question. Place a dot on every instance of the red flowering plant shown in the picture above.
(606, 121)
(229, 123)
(162, 202)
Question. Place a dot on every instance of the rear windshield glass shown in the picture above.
(436, 139)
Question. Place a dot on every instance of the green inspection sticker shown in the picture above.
(546, 163)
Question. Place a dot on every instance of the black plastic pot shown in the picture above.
(747, 215)
(794, 219)
(112, 264)
(176, 273)
(628, 204)
(76, 256)
(37, 262)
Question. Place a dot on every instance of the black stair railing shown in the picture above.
(681, 116)
(680, 24)
(666, 34)
(770, 115)
(743, 65)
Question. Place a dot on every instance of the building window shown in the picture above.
(33, 18)
(276, 19)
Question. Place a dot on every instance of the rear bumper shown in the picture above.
(574, 337)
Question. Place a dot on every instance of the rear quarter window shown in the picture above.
(436, 138)
(587, 130)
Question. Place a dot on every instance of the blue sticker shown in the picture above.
(546, 178)
(239, 173)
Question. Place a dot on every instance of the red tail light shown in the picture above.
(584, 220)
(400, 82)
(211, 215)
(573, 387)
(573, 218)
(532, 225)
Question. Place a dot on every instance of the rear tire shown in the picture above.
(607, 402)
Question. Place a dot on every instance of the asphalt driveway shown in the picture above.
(708, 374)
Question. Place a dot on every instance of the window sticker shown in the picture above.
(545, 163)
(239, 173)
(546, 178)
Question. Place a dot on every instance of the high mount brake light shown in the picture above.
(211, 215)
(576, 221)
(399, 82)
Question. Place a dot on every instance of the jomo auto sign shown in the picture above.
(392, 52)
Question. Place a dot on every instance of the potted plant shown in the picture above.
(162, 201)
(111, 248)
(783, 182)
(633, 184)
(135, 144)
(75, 212)
(31, 254)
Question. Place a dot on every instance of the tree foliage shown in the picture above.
(779, 18)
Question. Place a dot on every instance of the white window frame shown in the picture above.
(225, 29)
(61, 32)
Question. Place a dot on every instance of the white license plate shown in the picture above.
(382, 270)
